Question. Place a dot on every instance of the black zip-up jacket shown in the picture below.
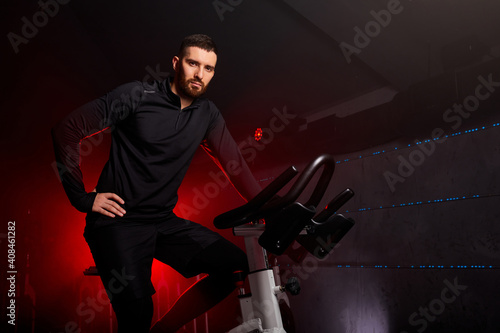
(153, 143)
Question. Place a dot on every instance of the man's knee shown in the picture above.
(222, 258)
(235, 260)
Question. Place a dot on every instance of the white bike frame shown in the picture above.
(260, 308)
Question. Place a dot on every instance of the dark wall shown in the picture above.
(423, 254)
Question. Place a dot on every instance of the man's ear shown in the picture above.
(175, 62)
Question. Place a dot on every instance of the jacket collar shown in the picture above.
(173, 98)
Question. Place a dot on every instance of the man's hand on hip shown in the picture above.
(108, 204)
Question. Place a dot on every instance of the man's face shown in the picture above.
(194, 71)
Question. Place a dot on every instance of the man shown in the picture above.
(156, 128)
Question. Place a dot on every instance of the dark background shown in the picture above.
(426, 214)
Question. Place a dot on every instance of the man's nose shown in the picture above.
(199, 73)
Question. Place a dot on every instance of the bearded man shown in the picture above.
(156, 129)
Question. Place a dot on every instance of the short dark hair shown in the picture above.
(204, 42)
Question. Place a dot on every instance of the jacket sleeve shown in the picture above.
(221, 146)
(90, 119)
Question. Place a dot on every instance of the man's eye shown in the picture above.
(209, 69)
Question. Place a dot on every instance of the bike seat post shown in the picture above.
(257, 256)
(262, 303)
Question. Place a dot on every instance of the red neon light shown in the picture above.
(88, 136)
(258, 134)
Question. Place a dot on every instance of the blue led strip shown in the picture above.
(461, 267)
(427, 202)
(419, 266)
(388, 150)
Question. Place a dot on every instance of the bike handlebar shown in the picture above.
(262, 206)
(334, 205)
(242, 214)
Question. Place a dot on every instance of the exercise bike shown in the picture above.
(271, 223)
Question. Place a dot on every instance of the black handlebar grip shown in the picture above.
(247, 213)
(334, 205)
(257, 208)
(305, 177)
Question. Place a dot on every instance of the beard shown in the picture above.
(186, 89)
